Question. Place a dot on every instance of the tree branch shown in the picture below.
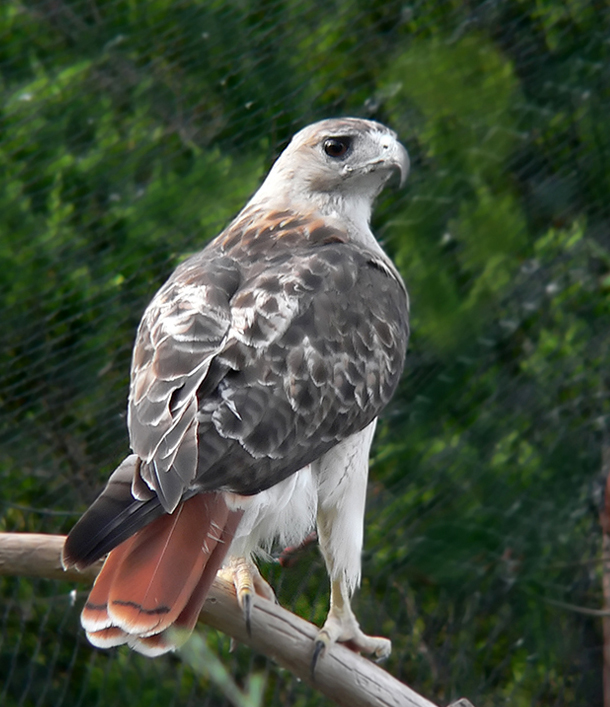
(342, 675)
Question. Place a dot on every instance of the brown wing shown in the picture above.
(182, 330)
(261, 353)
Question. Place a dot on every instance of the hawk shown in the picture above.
(258, 373)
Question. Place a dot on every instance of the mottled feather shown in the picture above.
(304, 343)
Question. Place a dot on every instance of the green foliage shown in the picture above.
(131, 132)
(204, 660)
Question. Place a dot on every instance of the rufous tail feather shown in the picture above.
(160, 577)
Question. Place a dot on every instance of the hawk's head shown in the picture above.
(337, 163)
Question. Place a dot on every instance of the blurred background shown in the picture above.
(131, 131)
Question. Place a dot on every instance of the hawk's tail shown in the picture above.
(159, 578)
(112, 518)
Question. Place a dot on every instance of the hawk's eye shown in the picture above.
(337, 146)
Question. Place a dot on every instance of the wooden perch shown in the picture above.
(342, 675)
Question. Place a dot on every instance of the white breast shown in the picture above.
(333, 489)
(282, 515)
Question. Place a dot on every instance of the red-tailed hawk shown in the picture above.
(258, 374)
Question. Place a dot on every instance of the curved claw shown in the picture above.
(319, 649)
(341, 626)
(247, 581)
(245, 601)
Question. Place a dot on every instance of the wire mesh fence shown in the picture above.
(131, 132)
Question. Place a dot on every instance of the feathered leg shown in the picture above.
(343, 476)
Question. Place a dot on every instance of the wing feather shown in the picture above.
(261, 353)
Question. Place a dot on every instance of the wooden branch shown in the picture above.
(342, 675)
(35, 555)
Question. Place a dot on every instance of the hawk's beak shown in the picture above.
(395, 157)
(400, 160)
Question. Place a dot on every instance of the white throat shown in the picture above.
(283, 190)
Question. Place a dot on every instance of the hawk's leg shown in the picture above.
(248, 581)
(341, 625)
(343, 473)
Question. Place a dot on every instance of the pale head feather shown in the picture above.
(345, 186)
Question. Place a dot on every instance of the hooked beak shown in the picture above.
(400, 161)
(395, 158)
